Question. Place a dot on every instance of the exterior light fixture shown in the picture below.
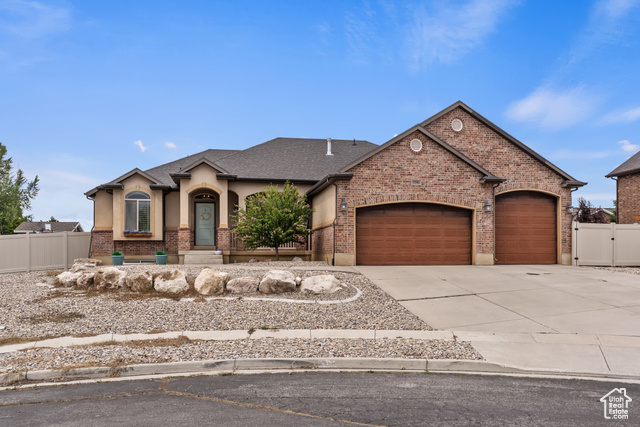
(569, 208)
(343, 204)
(487, 205)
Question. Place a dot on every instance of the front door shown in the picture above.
(205, 224)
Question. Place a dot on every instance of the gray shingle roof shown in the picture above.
(295, 159)
(630, 166)
(39, 226)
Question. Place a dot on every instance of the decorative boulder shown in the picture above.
(243, 285)
(254, 260)
(277, 282)
(324, 284)
(68, 279)
(211, 282)
(85, 281)
(88, 262)
(76, 268)
(109, 278)
(140, 282)
(172, 282)
(296, 259)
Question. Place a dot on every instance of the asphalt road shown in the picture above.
(318, 399)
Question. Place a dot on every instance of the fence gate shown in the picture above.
(606, 244)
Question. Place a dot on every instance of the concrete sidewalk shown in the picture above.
(605, 356)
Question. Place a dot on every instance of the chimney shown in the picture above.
(329, 153)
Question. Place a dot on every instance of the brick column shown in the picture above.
(101, 242)
(185, 239)
(223, 239)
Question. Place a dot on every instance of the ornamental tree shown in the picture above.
(273, 217)
(15, 194)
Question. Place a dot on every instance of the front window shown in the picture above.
(137, 215)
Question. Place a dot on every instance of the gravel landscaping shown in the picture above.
(145, 352)
(29, 311)
(630, 270)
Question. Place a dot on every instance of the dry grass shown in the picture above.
(52, 273)
(22, 340)
(161, 342)
(54, 317)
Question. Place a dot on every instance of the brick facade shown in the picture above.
(434, 175)
(628, 198)
(101, 242)
(223, 239)
(138, 247)
(322, 242)
(185, 239)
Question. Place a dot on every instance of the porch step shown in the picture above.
(202, 258)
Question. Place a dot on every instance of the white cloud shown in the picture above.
(627, 146)
(139, 144)
(445, 31)
(170, 144)
(554, 109)
(622, 116)
(32, 19)
(360, 32)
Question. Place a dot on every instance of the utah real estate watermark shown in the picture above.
(616, 404)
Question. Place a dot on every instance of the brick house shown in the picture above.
(454, 189)
(627, 177)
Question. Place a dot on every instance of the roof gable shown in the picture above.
(569, 180)
(631, 165)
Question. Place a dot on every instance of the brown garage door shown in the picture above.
(413, 234)
(526, 228)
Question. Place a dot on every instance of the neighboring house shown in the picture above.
(454, 189)
(47, 227)
(627, 177)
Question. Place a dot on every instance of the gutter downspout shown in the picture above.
(493, 195)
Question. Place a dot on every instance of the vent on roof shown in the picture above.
(329, 153)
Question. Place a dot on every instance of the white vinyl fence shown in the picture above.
(27, 252)
(606, 244)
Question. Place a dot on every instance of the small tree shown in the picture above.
(587, 213)
(273, 217)
(15, 194)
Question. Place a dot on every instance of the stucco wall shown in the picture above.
(628, 198)
(244, 189)
(137, 183)
(324, 205)
(103, 211)
(172, 210)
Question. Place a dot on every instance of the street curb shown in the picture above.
(230, 366)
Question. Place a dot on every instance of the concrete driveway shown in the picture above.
(523, 298)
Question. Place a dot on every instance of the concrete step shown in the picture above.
(202, 258)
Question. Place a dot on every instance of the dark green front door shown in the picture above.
(205, 224)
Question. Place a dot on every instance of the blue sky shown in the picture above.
(91, 90)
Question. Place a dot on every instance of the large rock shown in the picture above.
(140, 282)
(109, 278)
(277, 282)
(68, 279)
(243, 285)
(88, 262)
(172, 282)
(85, 281)
(211, 282)
(323, 284)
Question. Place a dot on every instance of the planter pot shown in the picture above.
(117, 259)
(217, 252)
(161, 259)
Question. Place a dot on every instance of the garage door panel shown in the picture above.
(525, 228)
(413, 233)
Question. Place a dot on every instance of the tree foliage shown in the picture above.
(587, 213)
(273, 217)
(16, 193)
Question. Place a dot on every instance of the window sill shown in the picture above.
(135, 234)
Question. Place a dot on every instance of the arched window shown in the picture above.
(137, 211)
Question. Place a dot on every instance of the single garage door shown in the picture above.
(526, 228)
(413, 234)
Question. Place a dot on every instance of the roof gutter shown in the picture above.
(326, 181)
(573, 184)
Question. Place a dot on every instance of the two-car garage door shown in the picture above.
(413, 234)
(433, 234)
